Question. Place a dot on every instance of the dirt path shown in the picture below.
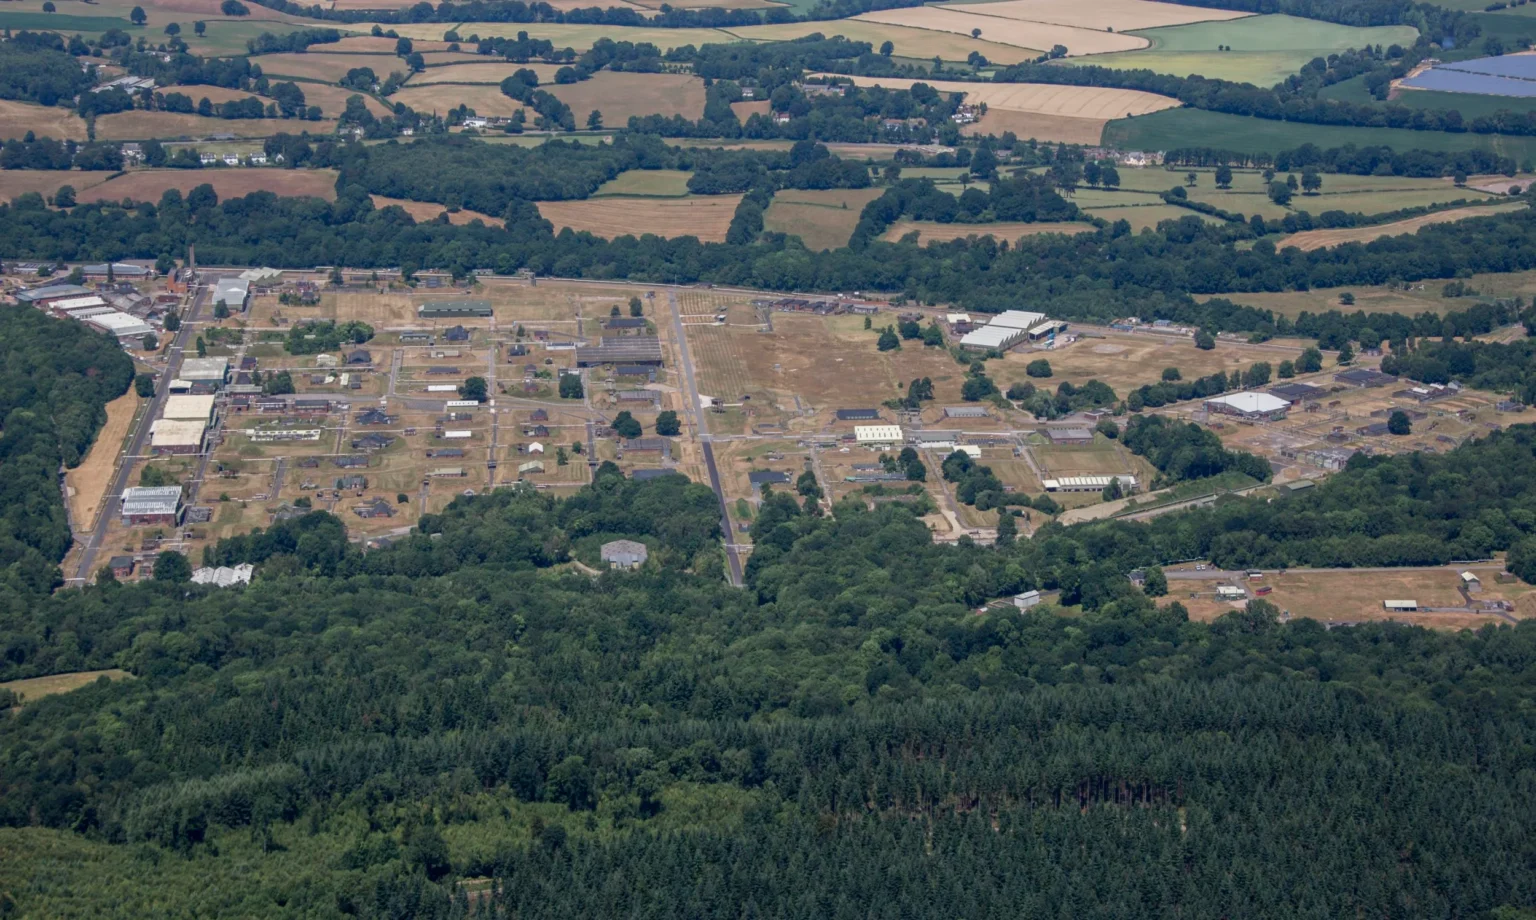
(87, 483)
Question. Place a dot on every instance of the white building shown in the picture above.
(204, 370)
(224, 576)
(176, 436)
(183, 407)
(1026, 600)
(877, 437)
(235, 293)
(1249, 405)
(1088, 483)
(992, 337)
(120, 324)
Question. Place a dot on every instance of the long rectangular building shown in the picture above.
(176, 436)
(636, 350)
(152, 505)
(448, 309)
(1088, 483)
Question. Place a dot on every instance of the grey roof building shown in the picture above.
(858, 415)
(965, 411)
(767, 478)
(449, 308)
(639, 349)
(624, 554)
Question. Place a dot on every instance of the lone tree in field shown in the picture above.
(636, 308)
(889, 341)
(1280, 193)
(975, 33)
(200, 27)
(1223, 176)
(138, 16)
(1399, 423)
(1038, 368)
(1311, 181)
(49, 7)
(1190, 179)
(595, 121)
(887, 49)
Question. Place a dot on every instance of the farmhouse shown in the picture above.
(624, 554)
(877, 437)
(176, 436)
(1089, 483)
(1249, 405)
(377, 507)
(640, 349)
(152, 505)
(446, 309)
(121, 566)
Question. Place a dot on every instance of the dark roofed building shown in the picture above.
(858, 415)
(374, 417)
(350, 462)
(443, 371)
(372, 442)
(965, 411)
(360, 356)
(1364, 377)
(377, 507)
(767, 478)
(639, 349)
(441, 309)
(456, 334)
(353, 481)
(659, 445)
(1296, 392)
(539, 415)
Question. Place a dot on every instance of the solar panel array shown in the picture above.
(1521, 66)
(1506, 75)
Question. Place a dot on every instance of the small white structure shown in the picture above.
(1400, 606)
(324, 360)
(1230, 593)
(1026, 600)
(877, 437)
(224, 576)
(535, 448)
(1471, 582)
(456, 435)
(624, 554)
(1089, 483)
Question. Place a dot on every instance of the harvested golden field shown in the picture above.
(33, 689)
(422, 211)
(1056, 129)
(1120, 15)
(930, 232)
(213, 94)
(17, 118)
(487, 70)
(332, 100)
(745, 110)
(442, 58)
(1020, 34)
(45, 182)
(484, 99)
(913, 42)
(141, 126)
(150, 184)
(1309, 240)
(328, 68)
(622, 95)
(88, 482)
(704, 216)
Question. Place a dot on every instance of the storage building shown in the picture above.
(120, 324)
(235, 293)
(1088, 483)
(50, 294)
(624, 554)
(1249, 405)
(204, 370)
(1400, 606)
(177, 436)
(183, 407)
(636, 350)
(858, 415)
(878, 437)
(152, 505)
(447, 309)
(1026, 600)
(1070, 436)
(965, 412)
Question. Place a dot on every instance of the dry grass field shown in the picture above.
(704, 216)
(1120, 15)
(922, 43)
(1144, 216)
(485, 99)
(822, 219)
(422, 211)
(931, 231)
(33, 689)
(1054, 129)
(332, 100)
(140, 126)
(328, 68)
(150, 184)
(45, 182)
(1346, 595)
(1309, 240)
(213, 94)
(622, 95)
(1128, 361)
(369, 44)
(745, 110)
(1018, 33)
(1099, 459)
(17, 118)
(486, 70)
(88, 482)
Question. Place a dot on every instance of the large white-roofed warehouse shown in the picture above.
(1249, 405)
(152, 505)
(1004, 331)
(176, 436)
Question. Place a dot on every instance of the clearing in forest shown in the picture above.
(648, 183)
(823, 219)
(423, 211)
(704, 216)
(33, 689)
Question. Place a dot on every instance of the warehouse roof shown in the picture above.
(455, 308)
(120, 324)
(991, 336)
(877, 433)
(52, 292)
(232, 291)
(151, 500)
(630, 350)
(203, 369)
(1250, 402)
(858, 415)
(184, 407)
(1086, 482)
(78, 303)
(1016, 319)
(169, 432)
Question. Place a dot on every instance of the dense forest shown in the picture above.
(356, 732)
(55, 381)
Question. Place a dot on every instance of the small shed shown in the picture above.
(1026, 600)
(624, 554)
(1471, 582)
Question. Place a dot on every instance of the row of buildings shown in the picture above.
(1008, 329)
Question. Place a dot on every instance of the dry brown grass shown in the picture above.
(330, 68)
(45, 182)
(150, 184)
(930, 231)
(88, 482)
(17, 118)
(485, 99)
(1019, 34)
(1126, 361)
(33, 689)
(909, 42)
(1120, 15)
(704, 216)
(141, 126)
(1055, 129)
(822, 219)
(422, 211)
(745, 110)
(621, 95)
(213, 94)
(332, 100)
(1347, 595)
(487, 70)
(1309, 240)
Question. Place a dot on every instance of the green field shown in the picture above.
(649, 183)
(67, 24)
(1265, 49)
(1177, 128)
(823, 219)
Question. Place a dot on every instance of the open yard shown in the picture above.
(45, 182)
(88, 482)
(1264, 49)
(931, 231)
(648, 183)
(1039, 36)
(17, 118)
(1102, 15)
(33, 689)
(150, 184)
(1319, 239)
(1344, 595)
(823, 219)
(704, 216)
(618, 96)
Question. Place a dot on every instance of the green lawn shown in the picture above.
(55, 22)
(1176, 128)
(1265, 49)
(651, 183)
